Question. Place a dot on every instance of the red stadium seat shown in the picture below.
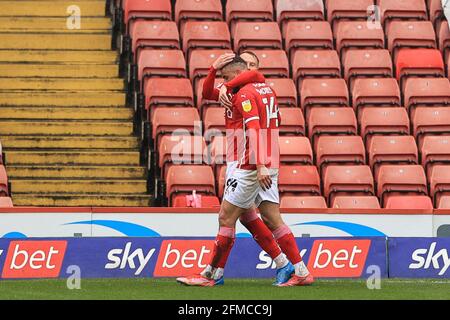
(409, 202)
(160, 63)
(348, 181)
(197, 10)
(436, 12)
(338, 10)
(307, 35)
(273, 63)
(355, 202)
(298, 10)
(444, 203)
(249, 10)
(299, 180)
(430, 121)
(204, 104)
(217, 153)
(4, 190)
(154, 35)
(214, 119)
(410, 34)
(220, 181)
(375, 92)
(331, 121)
(323, 92)
(292, 121)
(435, 150)
(424, 92)
(167, 120)
(392, 150)
(285, 90)
(168, 92)
(439, 182)
(6, 202)
(183, 179)
(195, 201)
(205, 34)
(147, 10)
(256, 35)
(402, 10)
(419, 63)
(200, 62)
(367, 63)
(332, 150)
(398, 179)
(357, 35)
(295, 150)
(305, 202)
(383, 121)
(180, 149)
(315, 63)
(443, 35)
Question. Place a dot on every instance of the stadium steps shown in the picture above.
(61, 84)
(53, 24)
(60, 70)
(78, 186)
(69, 142)
(61, 57)
(66, 131)
(62, 99)
(56, 41)
(47, 127)
(76, 200)
(76, 172)
(62, 113)
(66, 157)
(51, 8)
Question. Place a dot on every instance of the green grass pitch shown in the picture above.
(234, 289)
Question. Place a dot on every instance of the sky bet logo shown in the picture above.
(175, 258)
(135, 259)
(34, 259)
(426, 258)
(338, 258)
(331, 258)
(181, 257)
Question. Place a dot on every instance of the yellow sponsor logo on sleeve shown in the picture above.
(247, 105)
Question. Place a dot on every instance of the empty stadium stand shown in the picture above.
(106, 114)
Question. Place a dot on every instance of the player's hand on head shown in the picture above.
(223, 97)
(223, 60)
(263, 176)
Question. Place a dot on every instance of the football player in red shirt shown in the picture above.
(262, 235)
(255, 121)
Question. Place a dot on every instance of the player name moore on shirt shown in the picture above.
(252, 127)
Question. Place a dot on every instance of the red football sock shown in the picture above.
(286, 241)
(222, 247)
(261, 233)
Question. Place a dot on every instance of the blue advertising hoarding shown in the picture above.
(419, 257)
(129, 257)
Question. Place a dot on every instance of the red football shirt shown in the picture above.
(252, 132)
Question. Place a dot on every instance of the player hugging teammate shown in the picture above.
(252, 121)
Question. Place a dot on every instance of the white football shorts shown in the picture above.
(243, 190)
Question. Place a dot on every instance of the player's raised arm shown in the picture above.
(239, 81)
(209, 91)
